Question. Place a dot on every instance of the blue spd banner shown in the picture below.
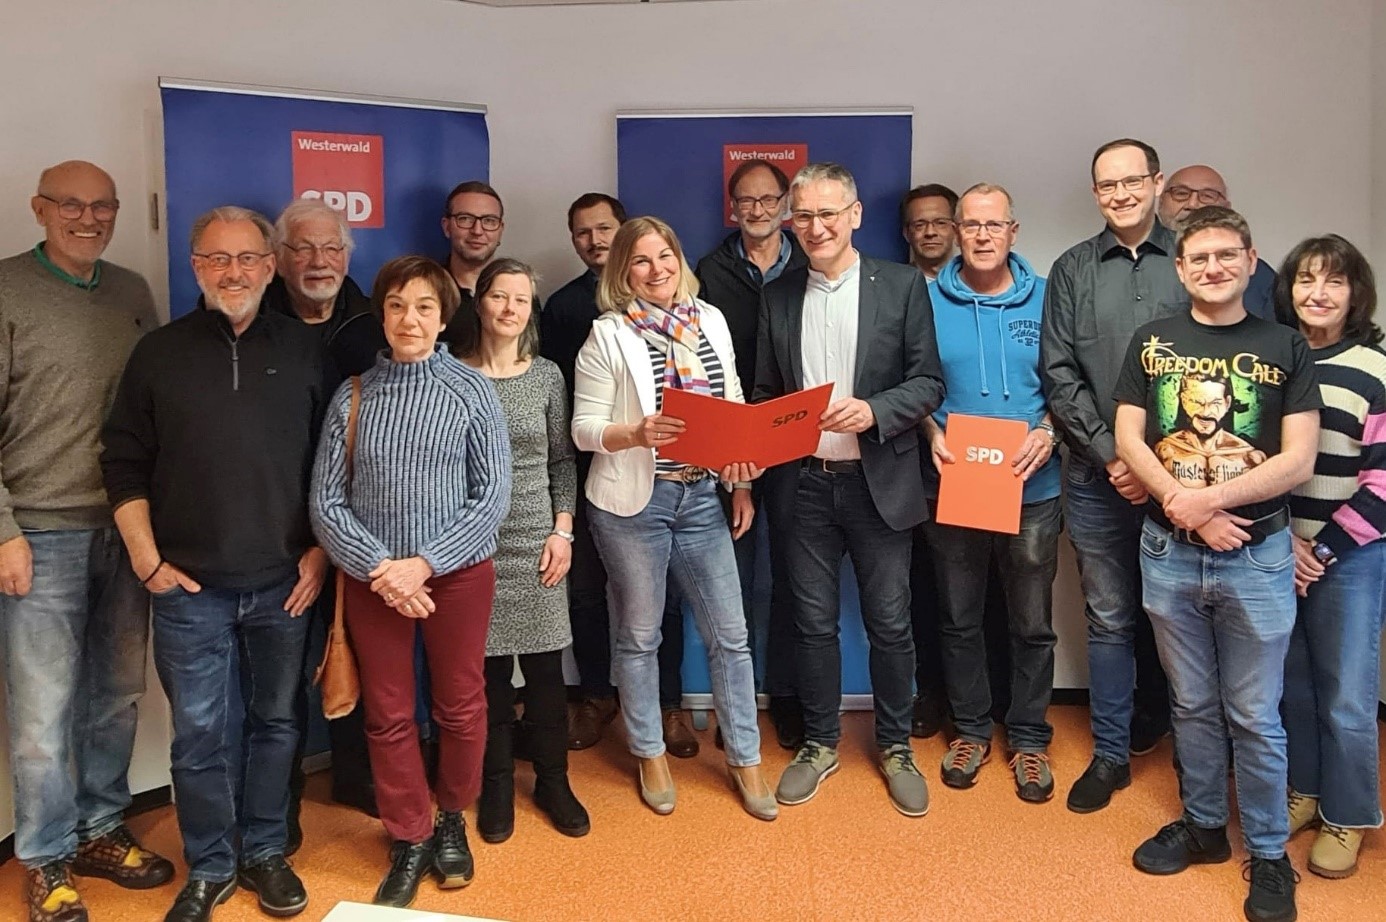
(386, 163)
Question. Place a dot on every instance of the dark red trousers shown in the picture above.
(454, 639)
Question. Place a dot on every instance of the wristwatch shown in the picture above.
(565, 535)
(1324, 554)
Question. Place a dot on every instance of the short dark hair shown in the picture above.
(1152, 159)
(742, 171)
(1213, 217)
(402, 270)
(928, 190)
(1337, 255)
(468, 321)
(592, 200)
(472, 185)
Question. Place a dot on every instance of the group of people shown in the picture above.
(493, 479)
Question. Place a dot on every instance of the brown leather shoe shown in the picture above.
(118, 857)
(678, 738)
(587, 719)
(52, 896)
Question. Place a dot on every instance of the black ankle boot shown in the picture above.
(452, 858)
(408, 865)
(555, 797)
(495, 809)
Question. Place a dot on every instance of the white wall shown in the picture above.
(1277, 93)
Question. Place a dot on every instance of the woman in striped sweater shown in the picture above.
(1332, 671)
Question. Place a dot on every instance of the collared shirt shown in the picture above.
(42, 257)
(774, 272)
(830, 347)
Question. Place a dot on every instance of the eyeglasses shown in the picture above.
(467, 221)
(993, 228)
(935, 224)
(768, 202)
(222, 261)
(1225, 257)
(1130, 183)
(307, 251)
(827, 217)
(1182, 194)
(72, 209)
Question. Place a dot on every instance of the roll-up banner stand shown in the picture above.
(385, 162)
(675, 164)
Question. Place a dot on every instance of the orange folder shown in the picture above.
(721, 432)
(979, 489)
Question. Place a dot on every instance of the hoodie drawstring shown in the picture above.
(1001, 334)
(981, 347)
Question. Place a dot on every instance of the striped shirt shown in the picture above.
(431, 475)
(1344, 504)
(716, 378)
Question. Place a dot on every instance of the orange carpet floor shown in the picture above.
(980, 854)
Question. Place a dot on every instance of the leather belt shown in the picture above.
(823, 465)
(686, 474)
(1259, 529)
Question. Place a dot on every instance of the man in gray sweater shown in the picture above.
(74, 619)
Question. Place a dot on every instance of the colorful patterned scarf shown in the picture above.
(675, 332)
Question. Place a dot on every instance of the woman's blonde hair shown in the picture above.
(613, 290)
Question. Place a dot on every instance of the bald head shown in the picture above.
(76, 205)
(1189, 189)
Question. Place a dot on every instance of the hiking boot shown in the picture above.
(963, 760)
(805, 772)
(1034, 782)
(1304, 810)
(908, 792)
(1094, 789)
(1272, 894)
(118, 857)
(678, 738)
(1179, 845)
(452, 857)
(52, 896)
(1334, 852)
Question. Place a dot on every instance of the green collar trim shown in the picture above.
(66, 276)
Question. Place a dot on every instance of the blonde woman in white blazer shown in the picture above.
(653, 518)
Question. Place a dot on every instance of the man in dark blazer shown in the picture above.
(866, 327)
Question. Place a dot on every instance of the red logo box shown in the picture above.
(790, 158)
(347, 171)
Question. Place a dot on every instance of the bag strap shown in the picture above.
(353, 416)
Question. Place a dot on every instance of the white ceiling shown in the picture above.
(579, 2)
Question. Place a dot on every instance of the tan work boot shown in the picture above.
(1304, 810)
(1334, 854)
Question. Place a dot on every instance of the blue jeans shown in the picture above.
(1222, 622)
(1332, 684)
(680, 534)
(1027, 563)
(74, 651)
(204, 644)
(1105, 530)
(833, 514)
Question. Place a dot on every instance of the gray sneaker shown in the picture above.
(805, 772)
(908, 792)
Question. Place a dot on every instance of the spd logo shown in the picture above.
(347, 171)
(788, 418)
(991, 456)
(790, 158)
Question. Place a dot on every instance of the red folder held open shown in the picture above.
(980, 489)
(721, 432)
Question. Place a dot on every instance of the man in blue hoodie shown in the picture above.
(987, 306)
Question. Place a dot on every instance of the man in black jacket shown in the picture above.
(208, 458)
(731, 278)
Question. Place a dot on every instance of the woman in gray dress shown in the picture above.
(529, 618)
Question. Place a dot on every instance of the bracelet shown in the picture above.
(152, 573)
(565, 535)
(1053, 433)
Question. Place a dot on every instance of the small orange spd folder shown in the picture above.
(979, 489)
(721, 432)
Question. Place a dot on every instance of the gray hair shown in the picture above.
(819, 172)
(230, 214)
(303, 209)
(986, 188)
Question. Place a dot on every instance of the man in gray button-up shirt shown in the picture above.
(1099, 293)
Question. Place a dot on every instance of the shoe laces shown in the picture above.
(1341, 833)
(1297, 800)
(272, 863)
(962, 752)
(55, 875)
(451, 832)
(1178, 831)
(807, 754)
(898, 759)
(1275, 875)
(1032, 766)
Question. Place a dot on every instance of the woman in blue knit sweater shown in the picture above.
(413, 528)
(1332, 670)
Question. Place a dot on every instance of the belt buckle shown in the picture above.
(1189, 536)
(692, 474)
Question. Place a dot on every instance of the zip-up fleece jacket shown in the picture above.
(219, 433)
